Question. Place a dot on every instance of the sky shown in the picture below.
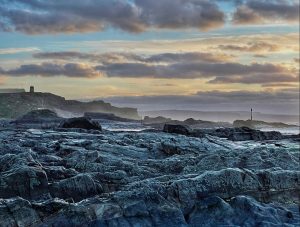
(166, 54)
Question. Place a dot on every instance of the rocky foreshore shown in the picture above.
(75, 177)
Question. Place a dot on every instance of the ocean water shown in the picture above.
(116, 126)
(137, 126)
(285, 131)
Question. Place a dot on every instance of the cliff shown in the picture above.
(13, 105)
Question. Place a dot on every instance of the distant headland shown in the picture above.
(16, 102)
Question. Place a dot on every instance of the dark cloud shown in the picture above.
(209, 97)
(190, 65)
(259, 56)
(100, 58)
(49, 70)
(50, 16)
(249, 96)
(272, 85)
(222, 72)
(125, 57)
(252, 47)
(257, 79)
(188, 57)
(266, 11)
(281, 100)
(181, 13)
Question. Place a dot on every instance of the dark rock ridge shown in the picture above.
(14, 105)
(156, 120)
(159, 122)
(70, 178)
(80, 123)
(227, 116)
(234, 134)
(108, 116)
(260, 124)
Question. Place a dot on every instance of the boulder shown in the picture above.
(177, 129)
(244, 133)
(81, 123)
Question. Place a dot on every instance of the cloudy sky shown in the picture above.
(183, 54)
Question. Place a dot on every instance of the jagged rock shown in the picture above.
(78, 187)
(81, 123)
(77, 178)
(18, 212)
(178, 129)
(26, 182)
(238, 211)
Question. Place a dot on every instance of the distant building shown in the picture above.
(31, 89)
(11, 90)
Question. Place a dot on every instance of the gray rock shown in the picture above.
(26, 182)
(78, 178)
(18, 212)
(78, 187)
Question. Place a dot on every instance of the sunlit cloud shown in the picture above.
(282, 42)
(152, 48)
(18, 50)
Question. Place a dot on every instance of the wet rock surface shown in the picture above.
(82, 178)
(233, 134)
(244, 133)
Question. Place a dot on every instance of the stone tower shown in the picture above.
(31, 89)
